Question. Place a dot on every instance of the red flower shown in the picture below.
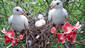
(11, 33)
(4, 31)
(71, 36)
(77, 26)
(61, 38)
(67, 27)
(70, 32)
(20, 37)
(6, 39)
(14, 41)
(53, 31)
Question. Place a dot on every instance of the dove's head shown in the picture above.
(17, 11)
(57, 4)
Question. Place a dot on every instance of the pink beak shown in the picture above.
(52, 7)
(22, 13)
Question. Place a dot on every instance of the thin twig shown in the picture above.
(80, 43)
(82, 40)
(66, 46)
(26, 39)
(9, 45)
(47, 8)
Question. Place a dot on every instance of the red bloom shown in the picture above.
(53, 31)
(20, 37)
(11, 33)
(6, 39)
(4, 31)
(70, 32)
(61, 38)
(71, 36)
(14, 41)
(77, 26)
(67, 27)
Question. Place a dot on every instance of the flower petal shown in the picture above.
(66, 26)
(4, 31)
(20, 37)
(53, 31)
(11, 33)
(6, 39)
(77, 26)
(14, 42)
(71, 36)
(61, 38)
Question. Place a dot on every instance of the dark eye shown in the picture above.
(17, 10)
(57, 3)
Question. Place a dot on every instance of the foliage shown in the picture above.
(75, 8)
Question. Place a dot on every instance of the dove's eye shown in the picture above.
(57, 3)
(17, 10)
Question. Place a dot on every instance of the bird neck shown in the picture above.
(15, 14)
(59, 8)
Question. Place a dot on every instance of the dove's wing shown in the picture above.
(25, 22)
(49, 16)
(65, 12)
(10, 20)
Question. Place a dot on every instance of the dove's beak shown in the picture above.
(52, 7)
(22, 13)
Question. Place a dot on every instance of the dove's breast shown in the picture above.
(58, 17)
(18, 23)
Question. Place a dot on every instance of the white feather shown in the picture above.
(10, 20)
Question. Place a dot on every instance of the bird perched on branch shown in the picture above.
(57, 14)
(18, 21)
(41, 21)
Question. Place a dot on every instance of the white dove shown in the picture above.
(18, 21)
(41, 21)
(57, 14)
